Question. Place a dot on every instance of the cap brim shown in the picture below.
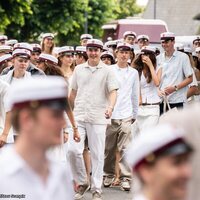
(23, 56)
(178, 149)
(59, 104)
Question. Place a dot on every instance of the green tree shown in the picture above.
(25, 20)
(127, 8)
(14, 11)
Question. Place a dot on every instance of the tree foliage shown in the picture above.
(25, 20)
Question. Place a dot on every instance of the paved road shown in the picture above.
(111, 194)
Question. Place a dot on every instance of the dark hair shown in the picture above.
(51, 69)
(111, 58)
(139, 65)
(84, 55)
(60, 63)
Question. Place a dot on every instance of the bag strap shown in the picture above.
(166, 104)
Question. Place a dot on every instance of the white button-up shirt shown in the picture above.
(93, 86)
(128, 94)
(17, 178)
(174, 71)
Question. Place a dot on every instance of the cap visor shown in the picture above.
(60, 104)
(178, 149)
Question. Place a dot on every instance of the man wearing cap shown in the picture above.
(94, 92)
(163, 166)
(38, 116)
(21, 59)
(11, 42)
(5, 49)
(80, 55)
(118, 134)
(196, 42)
(84, 38)
(35, 53)
(31, 67)
(5, 61)
(129, 37)
(176, 72)
(197, 51)
(3, 39)
(142, 40)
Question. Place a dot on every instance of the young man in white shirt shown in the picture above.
(94, 93)
(37, 114)
(118, 134)
(160, 160)
(176, 72)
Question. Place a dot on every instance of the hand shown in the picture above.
(65, 137)
(77, 137)
(108, 113)
(132, 121)
(161, 93)
(170, 89)
(147, 61)
(3, 139)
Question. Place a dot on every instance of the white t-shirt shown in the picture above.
(149, 91)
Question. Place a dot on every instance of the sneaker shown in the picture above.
(108, 181)
(81, 191)
(96, 196)
(125, 185)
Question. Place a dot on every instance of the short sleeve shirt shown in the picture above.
(174, 71)
(93, 88)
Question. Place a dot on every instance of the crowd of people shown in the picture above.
(86, 116)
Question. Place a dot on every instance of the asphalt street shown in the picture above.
(113, 193)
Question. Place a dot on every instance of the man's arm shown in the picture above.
(72, 97)
(170, 89)
(135, 97)
(7, 126)
(112, 100)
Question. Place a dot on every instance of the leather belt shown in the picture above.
(150, 104)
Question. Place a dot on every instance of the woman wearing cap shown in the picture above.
(47, 43)
(48, 64)
(66, 61)
(107, 58)
(148, 113)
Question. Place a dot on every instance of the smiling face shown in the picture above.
(94, 54)
(48, 42)
(168, 45)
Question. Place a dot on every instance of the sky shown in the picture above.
(142, 2)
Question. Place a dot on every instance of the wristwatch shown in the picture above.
(176, 88)
(75, 127)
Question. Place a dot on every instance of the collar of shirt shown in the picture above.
(120, 69)
(100, 64)
(169, 58)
